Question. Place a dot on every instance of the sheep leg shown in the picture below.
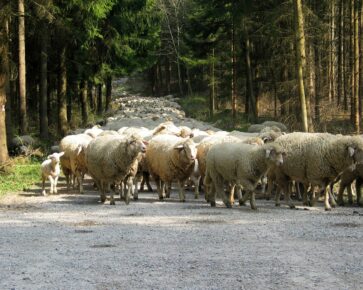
(51, 180)
(159, 187)
(231, 193)
(167, 189)
(55, 185)
(288, 199)
(211, 195)
(270, 185)
(326, 198)
(130, 183)
(252, 200)
(350, 194)
(136, 190)
(101, 188)
(277, 196)
(181, 190)
(220, 191)
(358, 184)
(43, 186)
(331, 197)
(342, 187)
(146, 176)
(196, 181)
(239, 194)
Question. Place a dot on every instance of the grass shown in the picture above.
(23, 173)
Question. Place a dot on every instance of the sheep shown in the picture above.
(170, 157)
(168, 127)
(315, 159)
(350, 174)
(143, 132)
(108, 132)
(111, 159)
(239, 163)
(94, 131)
(73, 162)
(50, 170)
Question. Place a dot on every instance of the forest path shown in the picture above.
(72, 241)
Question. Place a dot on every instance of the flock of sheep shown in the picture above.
(224, 164)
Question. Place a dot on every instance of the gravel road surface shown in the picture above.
(71, 241)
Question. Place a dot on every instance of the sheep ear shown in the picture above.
(61, 154)
(266, 139)
(268, 152)
(145, 142)
(50, 156)
(351, 151)
(179, 147)
(79, 149)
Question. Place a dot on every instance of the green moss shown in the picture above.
(23, 174)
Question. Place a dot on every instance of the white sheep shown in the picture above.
(315, 159)
(171, 158)
(94, 131)
(241, 164)
(73, 162)
(50, 170)
(112, 159)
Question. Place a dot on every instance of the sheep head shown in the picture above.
(55, 157)
(187, 150)
(137, 145)
(274, 154)
(354, 149)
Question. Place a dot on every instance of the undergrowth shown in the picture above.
(21, 174)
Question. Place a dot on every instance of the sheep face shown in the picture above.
(55, 157)
(275, 156)
(187, 151)
(137, 145)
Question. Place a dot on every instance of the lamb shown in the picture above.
(241, 164)
(315, 159)
(73, 162)
(111, 159)
(170, 157)
(169, 128)
(50, 169)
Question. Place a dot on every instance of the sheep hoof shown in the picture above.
(254, 207)
(161, 198)
(213, 204)
(44, 193)
(228, 205)
(277, 204)
(196, 197)
(292, 206)
(328, 209)
(267, 198)
(167, 195)
(112, 202)
(127, 201)
(136, 198)
(182, 200)
(340, 203)
(241, 203)
(350, 202)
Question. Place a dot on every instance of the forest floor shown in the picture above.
(72, 241)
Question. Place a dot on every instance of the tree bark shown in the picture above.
(22, 69)
(212, 84)
(108, 92)
(341, 53)
(361, 58)
(233, 74)
(84, 106)
(99, 99)
(356, 69)
(62, 93)
(301, 61)
(90, 95)
(43, 116)
(250, 96)
(4, 74)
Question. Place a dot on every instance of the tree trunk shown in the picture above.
(108, 92)
(62, 93)
(361, 58)
(332, 53)
(4, 73)
(22, 69)
(167, 74)
(84, 106)
(301, 60)
(317, 87)
(212, 94)
(251, 104)
(341, 53)
(8, 92)
(43, 116)
(99, 99)
(233, 74)
(356, 69)
(90, 95)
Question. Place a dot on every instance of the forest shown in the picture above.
(297, 61)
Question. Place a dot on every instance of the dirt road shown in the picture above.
(69, 241)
